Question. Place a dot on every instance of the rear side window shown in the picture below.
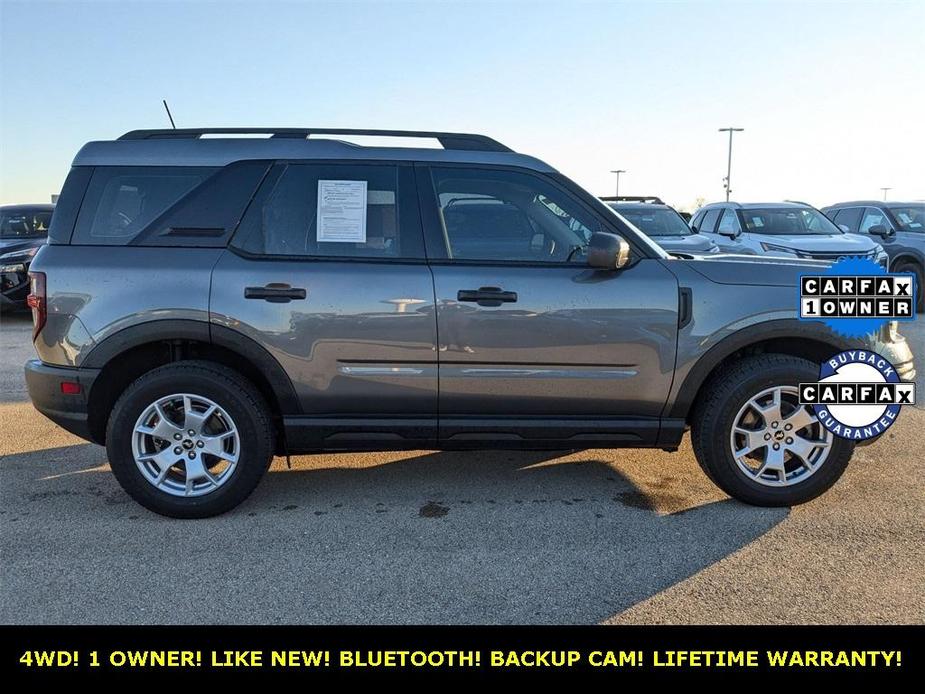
(122, 200)
(334, 211)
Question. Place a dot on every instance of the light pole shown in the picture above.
(729, 161)
(885, 192)
(618, 172)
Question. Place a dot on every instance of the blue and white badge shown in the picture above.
(858, 395)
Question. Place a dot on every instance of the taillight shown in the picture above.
(36, 301)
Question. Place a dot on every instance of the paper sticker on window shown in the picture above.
(342, 211)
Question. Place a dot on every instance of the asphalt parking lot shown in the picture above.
(419, 537)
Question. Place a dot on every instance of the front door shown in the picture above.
(533, 343)
(327, 273)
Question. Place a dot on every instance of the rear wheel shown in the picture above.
(189, 439)
(757, 443)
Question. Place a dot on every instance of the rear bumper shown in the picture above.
(69, 411)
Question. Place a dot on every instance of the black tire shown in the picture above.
(225, 387)
(713, 419)
(916, 270)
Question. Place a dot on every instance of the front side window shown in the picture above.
(24, 223)
(709, 220)
(122, 200)
(909, 217)
(499, 215)
(330, 210)
(656, 221)
(873, 217)
(729, 224)
(849, 219)
(787, 221)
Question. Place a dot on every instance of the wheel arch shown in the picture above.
(133, 351)
(809, 340)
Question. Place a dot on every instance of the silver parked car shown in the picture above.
(205, 303)
(780, 229)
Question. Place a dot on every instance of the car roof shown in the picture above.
(23, 207)
(756, 205)
(639, 206)
(874, 203)
(188, 147)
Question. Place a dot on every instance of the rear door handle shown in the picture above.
(487, 296)
(275, 293)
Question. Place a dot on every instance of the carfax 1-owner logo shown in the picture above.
(856, 297)
(858, 395)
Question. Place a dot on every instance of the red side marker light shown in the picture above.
(70, 388)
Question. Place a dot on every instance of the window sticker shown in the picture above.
(757, 221)
(341, 211)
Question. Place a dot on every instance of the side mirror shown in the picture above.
(694, 228)
(608, 251)
(730, 234)
(845, 228)
(880, 230)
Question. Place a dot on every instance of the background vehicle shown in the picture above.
(898, 226)
(663, 224)
(296, 293)
(781, 228)
(23, 229)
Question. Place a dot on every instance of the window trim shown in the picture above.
(721, 210)
(882, 212)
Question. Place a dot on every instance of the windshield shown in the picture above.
(655, 222)
(787, 220)
(24, 224)
(909, 217)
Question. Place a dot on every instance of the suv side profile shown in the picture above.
(780, 229)
(899, 226)
(205, 303)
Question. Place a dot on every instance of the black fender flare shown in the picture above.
(753, 334)
(200, 331)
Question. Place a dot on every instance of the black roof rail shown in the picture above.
(459, 141)
(651, 199)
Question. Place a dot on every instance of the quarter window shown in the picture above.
(502, 215)
(848, 219)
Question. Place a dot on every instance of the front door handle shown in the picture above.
(487, 296)
(275, 293)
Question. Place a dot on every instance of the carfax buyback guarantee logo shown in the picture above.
(859, 394)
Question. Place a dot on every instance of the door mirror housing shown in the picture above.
(731, 234)
(608, 251)
(881, 230)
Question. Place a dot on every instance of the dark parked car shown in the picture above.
(663, 224)
(23, 229)
(204, 303)
(898, 226)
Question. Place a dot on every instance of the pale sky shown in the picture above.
(831, 95)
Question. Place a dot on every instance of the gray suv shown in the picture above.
(204, 303)
(899, 226)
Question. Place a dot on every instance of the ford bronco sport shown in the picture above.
(205, 302)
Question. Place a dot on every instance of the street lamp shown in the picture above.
(728, 182)
(885, 192)
(618, 172)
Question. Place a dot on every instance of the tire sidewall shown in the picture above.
(727, 472)
(253, 457)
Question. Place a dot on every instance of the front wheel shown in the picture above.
(757, 443)
(189, 439)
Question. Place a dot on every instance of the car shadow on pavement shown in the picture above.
(445, 537)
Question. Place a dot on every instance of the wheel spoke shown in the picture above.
(772, 409)
(214, 445)
(803, 448)
(164, 460)
(195, 420)
(753, 440)
(800, 419)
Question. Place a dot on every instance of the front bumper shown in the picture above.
(69, 411)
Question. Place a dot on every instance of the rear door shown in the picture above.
(327, 273)
(533, 343)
